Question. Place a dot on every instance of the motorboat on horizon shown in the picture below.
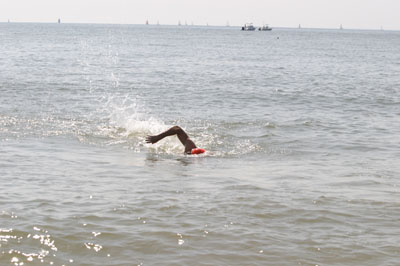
(265, 28)
(248, 27)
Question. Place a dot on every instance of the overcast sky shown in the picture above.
(359, 14)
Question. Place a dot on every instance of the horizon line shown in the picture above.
(199, 25)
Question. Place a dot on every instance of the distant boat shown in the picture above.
(59, 20)
(341, 27)
(248, 27)
(265, 28)
(147, 22)
(299, 26)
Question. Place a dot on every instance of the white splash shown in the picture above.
(129, 123)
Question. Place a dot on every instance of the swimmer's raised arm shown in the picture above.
(182, 136)
(172, 131)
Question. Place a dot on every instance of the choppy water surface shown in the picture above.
(300, 127)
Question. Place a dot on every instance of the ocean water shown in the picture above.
(301, 129)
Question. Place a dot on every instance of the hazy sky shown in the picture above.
(362, 14)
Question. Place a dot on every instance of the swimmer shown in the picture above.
(190, 147)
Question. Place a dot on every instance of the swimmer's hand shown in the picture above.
(151, 139)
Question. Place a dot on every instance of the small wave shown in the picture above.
(128, 123)
(124, 120)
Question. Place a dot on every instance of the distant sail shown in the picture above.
(59, 20)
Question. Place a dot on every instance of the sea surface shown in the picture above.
(301, 128)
